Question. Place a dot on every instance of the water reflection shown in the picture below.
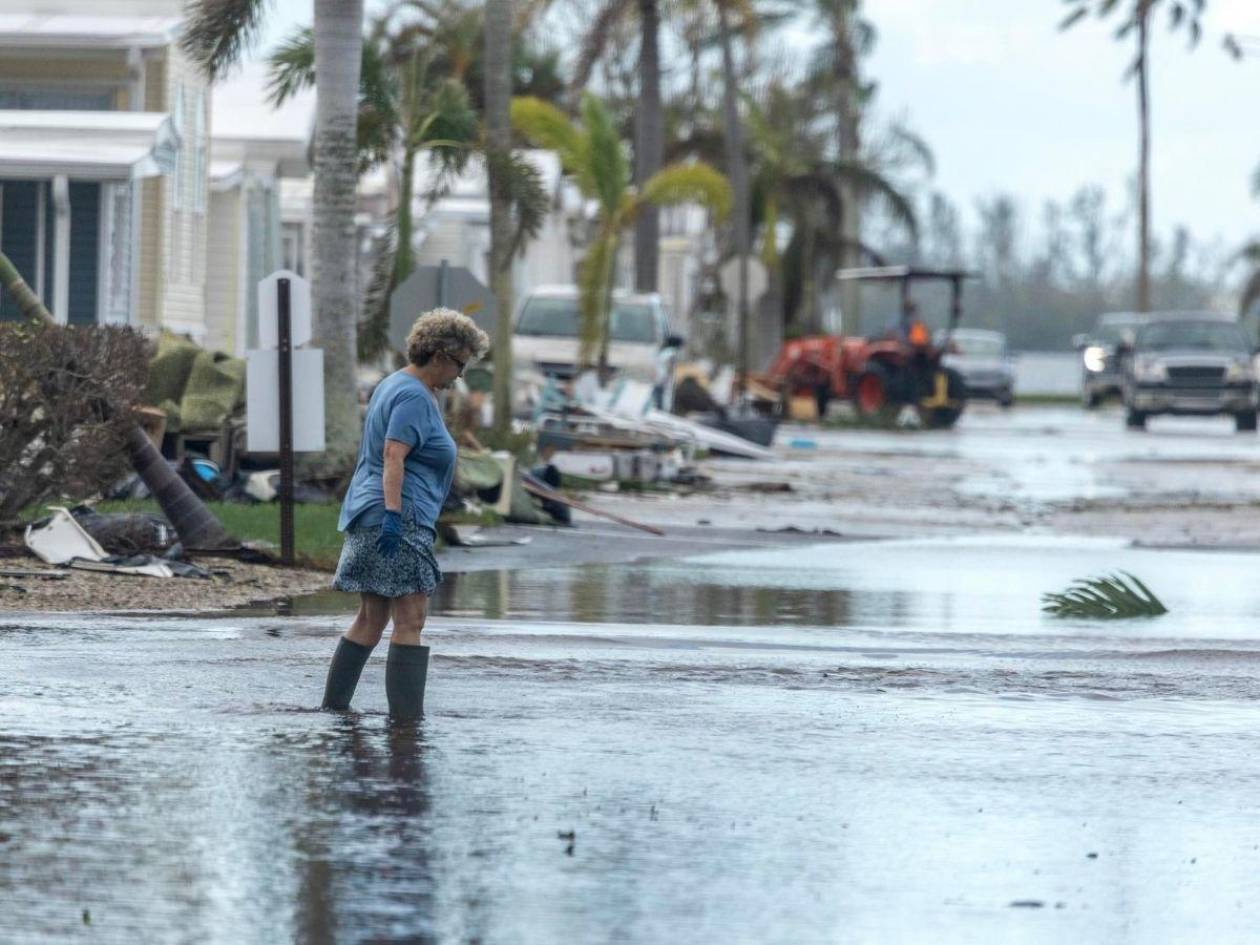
(599, 594)
(364, 846)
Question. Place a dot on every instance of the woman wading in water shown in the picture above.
(403, 474)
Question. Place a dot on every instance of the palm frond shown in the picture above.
(448, 129)
(291, 66)
(1104, 598)
(1074, 17)
(902, 134)
(595, 40)
(606, 171)
(529, 198)
(689, 183)
(547, 127)
(218, 32)
(870, 182)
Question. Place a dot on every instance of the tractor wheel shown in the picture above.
(871, 395)
(942, 418)
(1135, 419)
(1245, 422)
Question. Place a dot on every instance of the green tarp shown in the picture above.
(197, 389)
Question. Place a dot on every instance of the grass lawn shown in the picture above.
(316, 541)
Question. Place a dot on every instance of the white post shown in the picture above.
(61, 248)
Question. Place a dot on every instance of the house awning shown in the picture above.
(86, 145)
(71, 31)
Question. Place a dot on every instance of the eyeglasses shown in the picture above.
(461, 364)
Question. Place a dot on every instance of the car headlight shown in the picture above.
(1150, 370)
(1239, 371)
(1095, 358)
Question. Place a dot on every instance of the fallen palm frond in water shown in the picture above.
(1106, 598)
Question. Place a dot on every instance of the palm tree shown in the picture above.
(649, 130)
(737, 169)
(405, 109)
(835, 70)
(1137, 16)
(596, 156)
(795, 181)
(193, 522)
(498, 145)
(216, 33)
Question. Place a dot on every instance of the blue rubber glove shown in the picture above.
(391, 534)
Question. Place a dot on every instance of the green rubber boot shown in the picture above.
(343, 673)
(405, 674)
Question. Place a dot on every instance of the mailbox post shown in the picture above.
(276, 421)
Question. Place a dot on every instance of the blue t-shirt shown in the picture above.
(402, 408)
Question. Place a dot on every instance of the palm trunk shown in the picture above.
(193, 522)
(809, 278)
(606, 303)
(498, 93)
(1144, 163)
(649, 148)
(338, 53)
(848, 116)
(404, 256)
(738, 172)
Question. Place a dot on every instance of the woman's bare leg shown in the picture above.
(369, 623)
(409, 614)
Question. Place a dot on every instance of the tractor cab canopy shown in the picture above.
(904, 276)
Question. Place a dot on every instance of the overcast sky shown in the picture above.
(1009, 103)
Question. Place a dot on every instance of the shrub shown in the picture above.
(66, 399)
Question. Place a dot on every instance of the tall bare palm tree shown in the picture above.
(216, 33)
(737, 171)
(498, 149)
(1136, 22)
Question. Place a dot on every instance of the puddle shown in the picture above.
(761, 746)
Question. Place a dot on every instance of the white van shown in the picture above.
(545, 339)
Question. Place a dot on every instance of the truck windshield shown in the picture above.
(558, 318)
(1197, 336)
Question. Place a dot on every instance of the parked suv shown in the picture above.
(1102, 373)
(1199, 365)
(545, 340)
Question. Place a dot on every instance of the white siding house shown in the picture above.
(104, 161)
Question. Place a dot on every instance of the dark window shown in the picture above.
(18, 229)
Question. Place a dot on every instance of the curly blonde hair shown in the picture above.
(445, 330)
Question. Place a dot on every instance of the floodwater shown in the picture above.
(861, 742)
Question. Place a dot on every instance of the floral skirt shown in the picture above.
(364, 570)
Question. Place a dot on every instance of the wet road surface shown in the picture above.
(862, 742)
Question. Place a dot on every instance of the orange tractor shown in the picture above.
(880, 375)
